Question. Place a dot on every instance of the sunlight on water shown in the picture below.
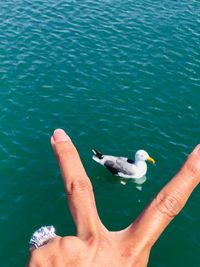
(120, 76)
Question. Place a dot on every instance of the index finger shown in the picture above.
(77, 185)
(169, 201)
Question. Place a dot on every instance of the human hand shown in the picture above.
(94, 245)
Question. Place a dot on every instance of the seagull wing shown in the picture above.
(120, 166)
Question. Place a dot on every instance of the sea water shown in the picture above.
(118, 76)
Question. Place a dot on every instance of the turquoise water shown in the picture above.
(117, 76)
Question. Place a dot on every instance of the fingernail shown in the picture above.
(60, 135)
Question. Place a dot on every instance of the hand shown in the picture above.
(94, 245)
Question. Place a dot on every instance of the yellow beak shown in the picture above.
(151, 160)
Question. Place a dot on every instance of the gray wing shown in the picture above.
(120, 165)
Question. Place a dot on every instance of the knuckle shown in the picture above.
(168, 204)
(79, 185)
(191, 169)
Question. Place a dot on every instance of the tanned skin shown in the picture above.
(94, 245)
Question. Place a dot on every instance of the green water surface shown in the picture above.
(117, 76)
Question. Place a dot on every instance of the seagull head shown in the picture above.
(142, 155)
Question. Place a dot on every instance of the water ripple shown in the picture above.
(120, 77)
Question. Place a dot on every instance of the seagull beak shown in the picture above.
(151, 160)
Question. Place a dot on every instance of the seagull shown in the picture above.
(125, 167)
